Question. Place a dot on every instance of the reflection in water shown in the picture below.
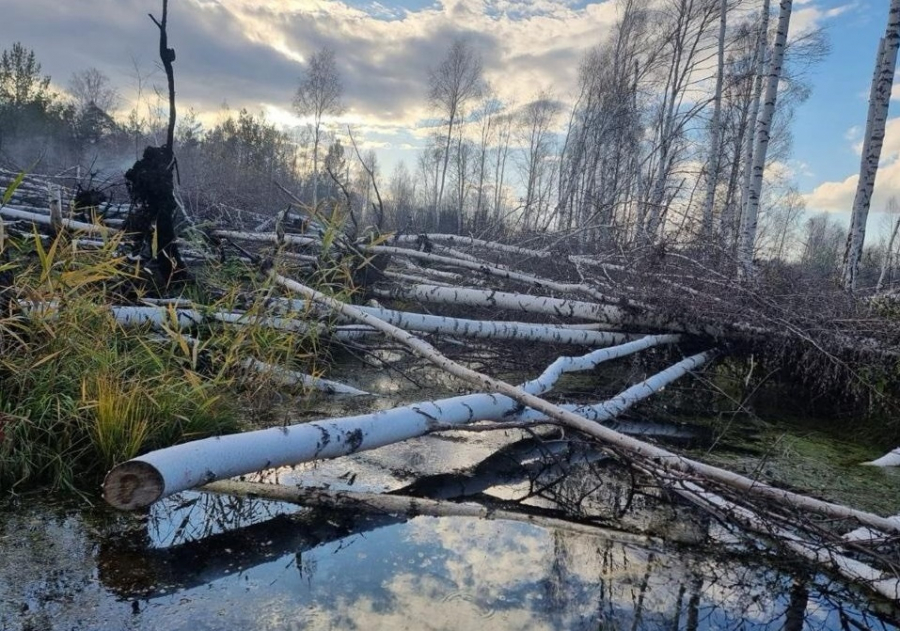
(328, 570)
(199, 561)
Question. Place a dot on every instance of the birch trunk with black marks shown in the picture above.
(750, 215)
(715, 149)
(879, 102)
(888, 257)
(148, 478)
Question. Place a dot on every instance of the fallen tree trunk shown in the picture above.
(493, 270)
(148, 478)
(890, 459)
(624, 445)
(598, 312)
(293, 378)
(627, 398)
(410, 506)
(46, 220)
(454, 239)
(823, 555)
(486, 329)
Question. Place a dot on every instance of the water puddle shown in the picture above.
(600, 551)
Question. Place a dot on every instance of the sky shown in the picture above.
(251, 53)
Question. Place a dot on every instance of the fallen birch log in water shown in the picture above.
(626, 446)
(293, 378)
(410, 506)
(148, 478)
(822, 554)
(608, 410)
(890, 459)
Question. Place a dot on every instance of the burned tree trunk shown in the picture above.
(152, 188)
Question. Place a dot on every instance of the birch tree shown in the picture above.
(879, 101)
(749, 217)
(490, 108)
(742, 91)
(893, 211)
(601, 157)
(92, 87)
(319, 95)
(712, 172)
(760, 56)
(535, 136)
(504, 125)
(683, 47)
(455, 82)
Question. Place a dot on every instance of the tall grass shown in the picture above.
(80, 393)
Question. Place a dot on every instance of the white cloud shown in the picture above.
(811, 17)
(837, 196)
(525, 45)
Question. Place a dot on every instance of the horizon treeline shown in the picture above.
(655, 148)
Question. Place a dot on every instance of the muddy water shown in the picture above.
(198, 561)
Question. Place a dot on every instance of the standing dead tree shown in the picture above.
(151, 183)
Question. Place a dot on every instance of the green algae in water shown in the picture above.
(810, 462)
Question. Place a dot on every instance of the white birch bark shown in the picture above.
(888, 257)
(596, 312)
(521, 303)
(180, 318)
(416, 279)
(139, 483)
(185, 466)
(632, 448)
(879, 102)
(452, 277)
(867, 535)
(494, 330)
(886, 585)
(463, 256)
(187, 318)
(890, 459)
(270, 237)
(293, 378)
(614, 407)
(45, 220)
(750, 216)
(712, 169)
(452, 239)
(493, 270)
(762, 48)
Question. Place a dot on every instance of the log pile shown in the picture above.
(624, 307)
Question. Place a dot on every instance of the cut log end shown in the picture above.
(132, 485)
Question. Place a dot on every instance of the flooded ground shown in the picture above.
(202, 561)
